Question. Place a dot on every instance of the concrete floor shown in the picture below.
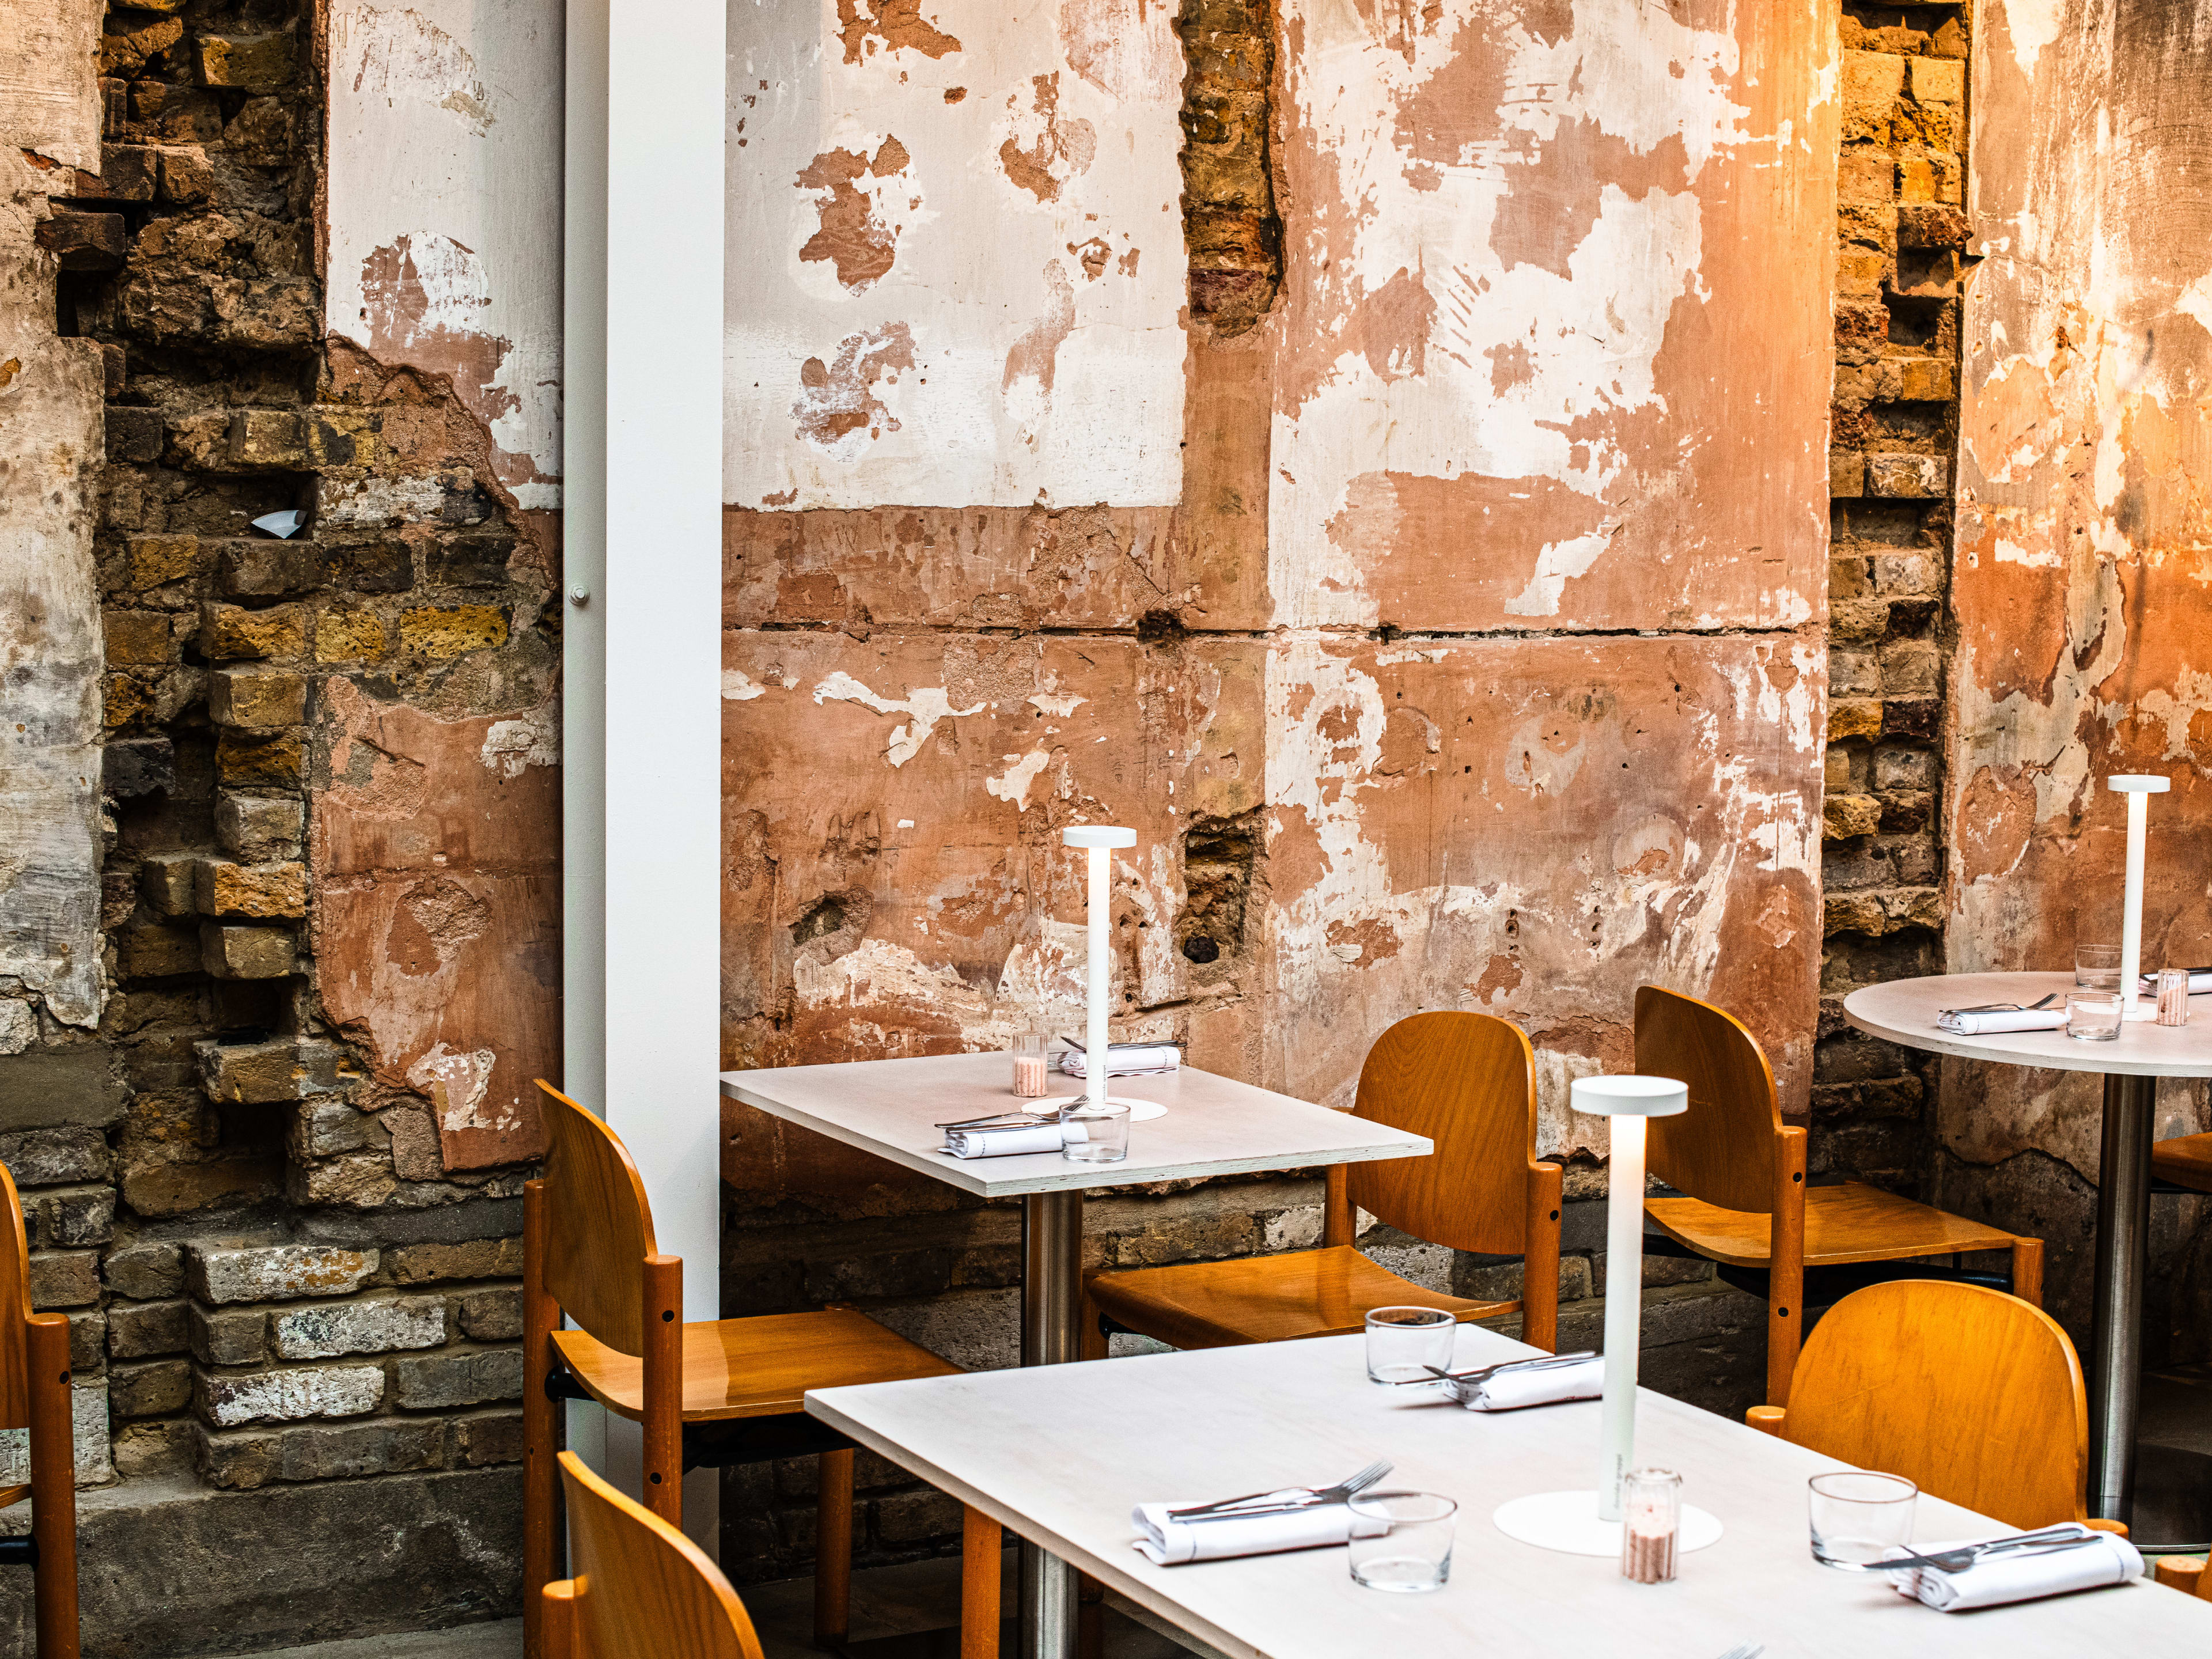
(886, 1601)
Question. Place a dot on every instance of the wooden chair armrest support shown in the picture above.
(2181, 1572)
(1785, 1283)
(53, 1484)
(1337, 1222)
(557, 1619)
(1540, 1269)
(2120, 1526)
(1767, 1419)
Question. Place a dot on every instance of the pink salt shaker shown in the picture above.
(1031, 1071)
(2173, 996)
(1651, 1511)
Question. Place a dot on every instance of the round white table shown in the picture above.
(1904, 1012)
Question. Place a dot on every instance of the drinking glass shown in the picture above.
(1095, 1134)
(2092, 1016)
(1403, 1342)
(1031, 1071)
(2173, 996)
(1651, 1511)
(2097, 966)
(1415, 1552)
(1858, 1516)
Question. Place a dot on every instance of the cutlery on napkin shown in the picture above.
(1167, 1542)
(1515, 1384)
(1124, 1059)
(1995, 1016)
(2056, 1561)
(1008, 1140)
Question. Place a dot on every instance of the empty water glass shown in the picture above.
(1402, 1343)
(1858, 1517)
(1095, 1134)
(1413, 1552)
(2097, 966)
(2092, 1016)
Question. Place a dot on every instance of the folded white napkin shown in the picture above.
(1519, 1386)
(2022, 1577)
(1008, 1141)
(2200, 982)
(1127, 1059)
(1168, 1542)
(2024, 1019)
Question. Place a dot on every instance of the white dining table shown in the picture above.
(1062, 1457)
(1212, 1126)
(1904, 1011)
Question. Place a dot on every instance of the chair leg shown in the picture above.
(2027, 1270)
(979, 1569)
(1089, 1618)
(833, 1548)
(1090, 1340)
(541, 1479)
(53, 1486)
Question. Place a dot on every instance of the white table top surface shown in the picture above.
(1904, 1011)
(1213, 1125)
(1061, 1454)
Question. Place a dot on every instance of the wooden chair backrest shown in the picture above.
(1971, 1394)
(15, 1309)
(598, 1227)
(1722, 1149)
(1467, 1081)
(642, 1587)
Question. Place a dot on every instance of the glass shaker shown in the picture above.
(2173, 996)
(1651, 1524)
(1030, 1070)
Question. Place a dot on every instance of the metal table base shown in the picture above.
(1052, 1307)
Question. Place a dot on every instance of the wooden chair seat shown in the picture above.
(1264, 1298)
(2187, 1161)
(757, 1367)
(1849, 1223)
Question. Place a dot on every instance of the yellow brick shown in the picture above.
(1855, 718)
(158, 560)
(1939, 80)
(1873, 78)
(449, 633)
(138, 638)
(123, 700)
(1848, 816)
(1916, 178)
(228, 632)
(349, 636)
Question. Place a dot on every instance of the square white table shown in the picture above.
(1214, 1126)
(1062, 1457)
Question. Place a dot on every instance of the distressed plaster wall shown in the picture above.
(308, 846)
(1477, 661)
(2084, 628)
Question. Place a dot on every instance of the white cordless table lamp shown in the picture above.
(2138, 788)
(1589, 1523)
(1099, 840)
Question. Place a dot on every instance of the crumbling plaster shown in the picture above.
(1520, 762)
(50, 449)
(2084, 630)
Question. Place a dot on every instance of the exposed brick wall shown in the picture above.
(278, 1268)
(1231, 228)
(1900, 233)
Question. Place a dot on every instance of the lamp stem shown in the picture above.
(1624, 1310)
(2131, 922)
(1094, 1035)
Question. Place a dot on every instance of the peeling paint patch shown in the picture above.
(401, 56)
(854, 237)
(925, 707)
(1055, 150)
(867, 26)
(837, 401)
(534, 740)
(1013, 784)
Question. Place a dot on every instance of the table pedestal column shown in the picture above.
(1052, 1306)
(2115, 1356)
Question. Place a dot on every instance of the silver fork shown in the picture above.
(1012, 1120)
(2049, 1542)
(1748, 1650)
(1335, 1494)
(1483, 1372)
(2007, 1008)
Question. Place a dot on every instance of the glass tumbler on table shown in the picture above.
(1411, 1550)
(1651, 1515)
(2097, 966)
(1095, 1134)
(1402, 1343)
(2094, 1016)
(1857, 1518)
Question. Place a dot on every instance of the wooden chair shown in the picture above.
(2183, 1163)
(1745, 1203)
(34, 1394)
(2185, 1573)
(641, 1585)
(1468, 1082)
(709, 1394)
(1972, 1395)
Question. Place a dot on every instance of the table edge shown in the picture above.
(1936, 1041)
(956, 1172)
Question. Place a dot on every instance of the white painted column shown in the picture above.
(651, 628)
